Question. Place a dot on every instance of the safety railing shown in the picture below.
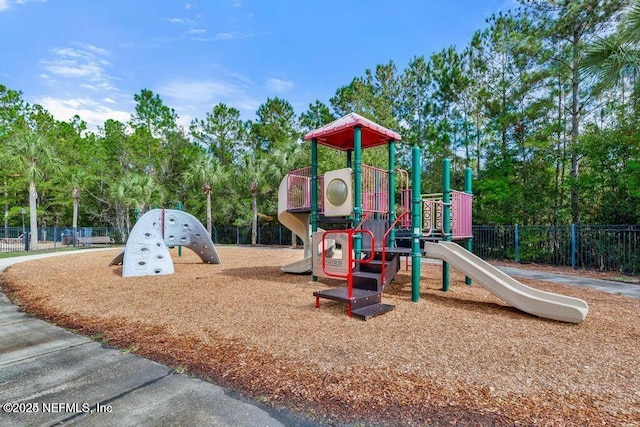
(461, 205)
(405, 195)
(384, 243)
(375, 190)
(461, 217)
(432, 211)
(350, 259)
(299, 190)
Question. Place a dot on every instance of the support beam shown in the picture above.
(314, 194)
(416, 226)
(357, 188)
(446, 216)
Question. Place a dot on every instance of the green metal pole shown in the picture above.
(349, 158)
(314, 195)
(179, 207)
(357, 191)
(392, 191)
(468, 188)
(416, 226)
(446, 216)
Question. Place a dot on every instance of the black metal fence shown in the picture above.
(16, 239)
(596, 247)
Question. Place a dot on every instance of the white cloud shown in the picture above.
(237, 3)
(193, 97)
(196, 31)
(6, 4)
(87, 65)
(189, 6)
(109, 100)
(278, 85)
(185, 21)
(92, 112)
(232, 35)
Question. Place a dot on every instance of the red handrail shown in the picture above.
(350, 260)
(384, 246)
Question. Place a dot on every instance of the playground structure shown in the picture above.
(147, 253)
(372, 232)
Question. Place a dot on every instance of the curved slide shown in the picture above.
(530, 300)
(299, 224)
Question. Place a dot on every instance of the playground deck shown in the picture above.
(461, 357)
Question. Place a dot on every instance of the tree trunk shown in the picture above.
(575, 131)
(254, 222)
(559, 162)
(74, 223)
(209, 213)
(33, 216)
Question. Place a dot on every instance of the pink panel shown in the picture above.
(375, 190)
(299, 189)
(461, 205)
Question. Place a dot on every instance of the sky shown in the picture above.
(89, 57)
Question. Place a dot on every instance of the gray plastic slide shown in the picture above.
(530, 300)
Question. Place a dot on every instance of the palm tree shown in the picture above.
(32, 156)
(146, 191)
(616, 56)
(121, 200)
(135, 191)
(76, 179)
(207, 173)
(253, 173)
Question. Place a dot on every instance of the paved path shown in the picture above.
(626, 289)
(53, 376)
(609, 286)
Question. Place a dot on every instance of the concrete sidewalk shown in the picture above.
(609, 286)
(50, 376)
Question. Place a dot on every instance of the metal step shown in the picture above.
(374, 266)
(368, 280)
(360, 297)
(374, 310)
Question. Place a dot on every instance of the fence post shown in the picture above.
(280, 235)
(26, 241)
(178, 207)
(573, 246)
(237, 235)
(517, 244)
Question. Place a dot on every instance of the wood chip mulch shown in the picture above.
(462, 357)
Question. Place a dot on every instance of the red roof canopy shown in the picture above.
(339, 133)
